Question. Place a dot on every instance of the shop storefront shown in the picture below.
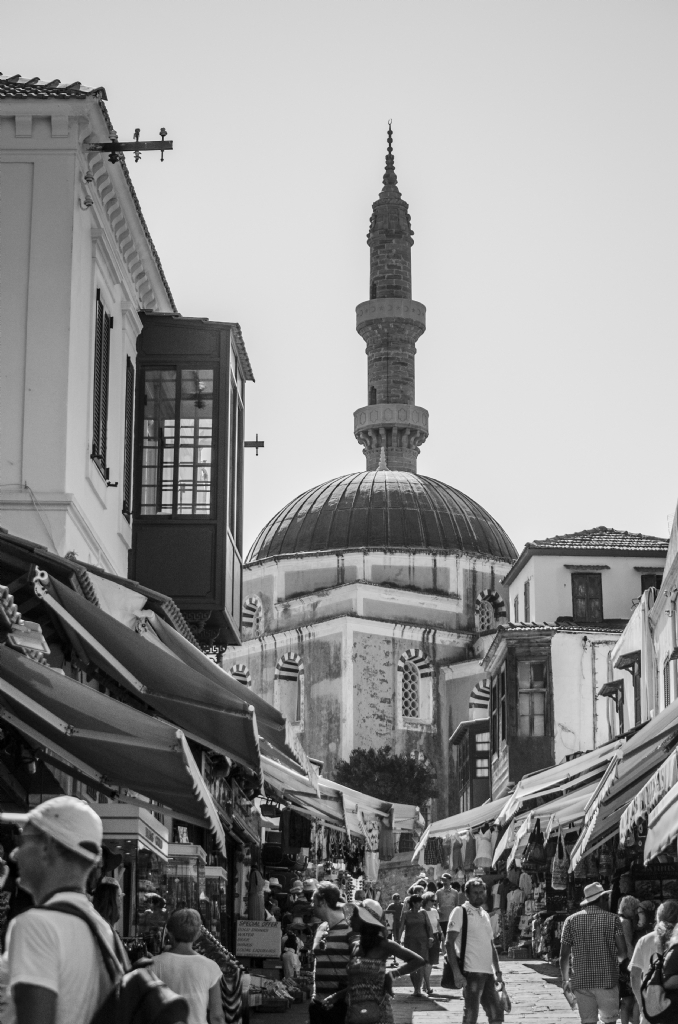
(137, 850)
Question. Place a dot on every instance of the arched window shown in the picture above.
(253, 616)
(373, 396)
(415, 689)
(490, 610)
(240, 673)
(288, 690)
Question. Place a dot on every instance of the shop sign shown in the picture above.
(258, 938)
(655, 871)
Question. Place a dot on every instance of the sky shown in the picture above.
(537, 146)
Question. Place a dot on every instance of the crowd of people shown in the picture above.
(58, 950)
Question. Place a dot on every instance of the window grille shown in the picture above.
(485, 617)
(410, 692)
(102, 348)
(129, 440)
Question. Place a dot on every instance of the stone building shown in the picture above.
(359, 593)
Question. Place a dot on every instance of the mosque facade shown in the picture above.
(362, 594)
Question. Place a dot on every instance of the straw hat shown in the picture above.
(593, 892)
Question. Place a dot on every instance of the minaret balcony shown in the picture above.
(396, 428)
(381, 309)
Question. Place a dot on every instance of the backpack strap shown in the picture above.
(113, 966)
(464, 935)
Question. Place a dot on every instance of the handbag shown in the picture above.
(658, 1005)
(504, 997)
(363, 1011)
(559, 867)
(447, 980)
(318, 1013)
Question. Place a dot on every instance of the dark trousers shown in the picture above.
(480, 990)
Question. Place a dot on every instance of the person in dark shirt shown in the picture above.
(396, 909)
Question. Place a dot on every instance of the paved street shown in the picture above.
(533, 986)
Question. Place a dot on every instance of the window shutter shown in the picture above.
(98, 343)
(129, 440)
(103, 401)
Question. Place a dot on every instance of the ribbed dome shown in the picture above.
(382, 509)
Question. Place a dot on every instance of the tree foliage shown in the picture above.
(388, 776)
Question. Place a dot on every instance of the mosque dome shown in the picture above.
(383, 509)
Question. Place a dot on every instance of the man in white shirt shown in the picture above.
(447, 900)
(475, 967)
(647, 946)
(56, 972)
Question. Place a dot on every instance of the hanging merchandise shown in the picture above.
(457, 862)
(433, 852)
(370, 829)
(469, 852)
(535, 854)
(386, 843)
(605, 863)
(559, 866)
(484, 849)
(371, 866)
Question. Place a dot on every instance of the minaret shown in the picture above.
(390, 427)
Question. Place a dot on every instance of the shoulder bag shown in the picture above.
(448, 974)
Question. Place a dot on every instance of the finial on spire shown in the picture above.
(389, 173)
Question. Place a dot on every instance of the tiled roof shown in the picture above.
(507, 629)
(604, 538)
(16, 87)
(600, 540)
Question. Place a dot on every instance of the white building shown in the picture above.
(545, 675)
(77, 263)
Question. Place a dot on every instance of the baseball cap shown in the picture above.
(71, 822)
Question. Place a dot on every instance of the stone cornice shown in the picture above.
(414, 634)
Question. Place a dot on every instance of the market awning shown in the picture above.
(271, 723)
(289, 783)
(485, 814)
(205, 712)
(662, 825)
(565, 812)
(633, 764)
(562, 777)
(652, 793)
(126, 747)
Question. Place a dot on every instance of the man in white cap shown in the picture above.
(56, 972)
(595, 940)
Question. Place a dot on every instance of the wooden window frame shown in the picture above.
(637, 694)
(532, 690)
(588, 576)
(526, 601)
(516, 608)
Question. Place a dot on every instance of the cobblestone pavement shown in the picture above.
(533, 986)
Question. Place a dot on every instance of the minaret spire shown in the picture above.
(390, 180)
(390, 427)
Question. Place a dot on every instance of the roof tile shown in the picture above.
(602, 538)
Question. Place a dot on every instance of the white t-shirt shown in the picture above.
(645, 949)
(191, 977)
(58, 952)
(478, 956)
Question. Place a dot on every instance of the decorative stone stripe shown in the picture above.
(251, 610)
(240, 673)
(480, 696)
(420, 659)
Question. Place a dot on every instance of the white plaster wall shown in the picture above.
(551, 584)
(579, 669)
(54, 253)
